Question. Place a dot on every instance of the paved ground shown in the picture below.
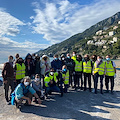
(75, 105)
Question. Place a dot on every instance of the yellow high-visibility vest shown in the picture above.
(66, 77)
(109, 69)
(20, 72)
(100, 70)
(74, 58)
(87, 68)
(78, 66)
(50, 77)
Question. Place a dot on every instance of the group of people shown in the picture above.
(40, 77)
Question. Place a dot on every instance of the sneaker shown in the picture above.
(42, 98)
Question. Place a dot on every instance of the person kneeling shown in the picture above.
(24, 92)
(50, 83)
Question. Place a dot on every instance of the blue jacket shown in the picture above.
(56, 64)
(20, 91)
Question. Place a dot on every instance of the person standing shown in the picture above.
(37, 65)
(29, 71)
(16, 57)
(87, 70)
(8, 77)
(74, 55)
(62, 58)
(45, 67)
(19, 70)
(93, 59)
(99, 71)
(70, 66)
(110, 73)
(78, 72)
(56, 64)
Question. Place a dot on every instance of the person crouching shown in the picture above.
(51, 83)
(36, 85)
(24, 92)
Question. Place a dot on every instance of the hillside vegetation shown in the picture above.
(79, 41)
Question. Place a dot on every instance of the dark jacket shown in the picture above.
(56, 64)
(70, 64)
(37, 67)
(7, 71)
(30, 71)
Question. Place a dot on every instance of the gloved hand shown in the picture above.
(115, 75)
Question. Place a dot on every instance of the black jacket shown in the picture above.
(70, 64)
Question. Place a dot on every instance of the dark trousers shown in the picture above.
(65, 88)
(96, 82)
(111, 78)
(60, 82)
(78, 77)
(87, 76)
(51, 89)
(6, 87)
(42, 76)
(39, 94)
(18, 81)
(19, 101)
(70, 78)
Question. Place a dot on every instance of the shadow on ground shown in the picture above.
(77, 105)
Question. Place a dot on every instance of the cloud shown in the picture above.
(9, 46)
(9, 24)
(59, 20)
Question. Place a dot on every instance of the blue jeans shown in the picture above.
(51, 89)
(96, 82)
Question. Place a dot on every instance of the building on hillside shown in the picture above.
(111, 42)
(118, 22)
(115, 39)
(99, 32)
(106, 36)
(99, 43)
(104, 47)
(111, 33)
(115, 27)
(90, 42)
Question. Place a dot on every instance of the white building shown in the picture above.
(115, 27)
(115, 39)
(111, 42)
(104, 47)
(90, 42)
(118, 22)
(111, 33)
(99, 32)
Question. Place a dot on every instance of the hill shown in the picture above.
(78, 41)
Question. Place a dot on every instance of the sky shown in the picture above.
(27, 26)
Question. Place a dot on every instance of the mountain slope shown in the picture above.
(67, 45)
